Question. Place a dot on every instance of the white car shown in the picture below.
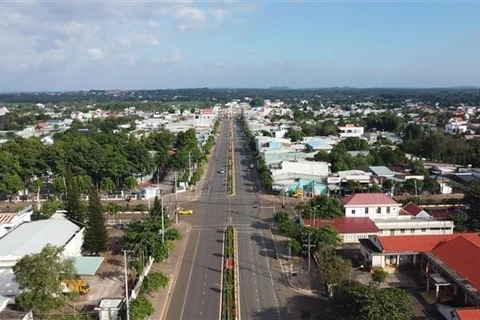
(252, 166)
(221, 171)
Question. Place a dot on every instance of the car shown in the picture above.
(221, 171)
(184, 212)
(252, 166)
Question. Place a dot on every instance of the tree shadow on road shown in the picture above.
(298, 307)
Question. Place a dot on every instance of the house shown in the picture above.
(351, 131)
(450, 261)
(349, 229)
(9, 221)
(372, 205)
(30, 238)
(391, 219)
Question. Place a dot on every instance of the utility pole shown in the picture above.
(163, 220)
(127, 301)
(176, 197)
(309, 246)
(189, 166)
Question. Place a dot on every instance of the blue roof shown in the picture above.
(87, 266)
(318, 143)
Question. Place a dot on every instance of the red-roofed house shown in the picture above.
(412, 210)
(467, 313)
(372, 205)
(390, 218)
(350, 229)
(451, 261)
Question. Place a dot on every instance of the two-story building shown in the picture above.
(391, 219)
(351, 131)
(371, 205)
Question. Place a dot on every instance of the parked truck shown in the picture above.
(79, 286)
(298, 193)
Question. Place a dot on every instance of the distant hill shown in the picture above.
(280, 88)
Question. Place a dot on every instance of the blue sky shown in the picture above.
(148, 45)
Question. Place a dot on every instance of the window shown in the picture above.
(353, 211)
(402, 230)
(424, 230)
(379, 210)
(388, 210)
(412, 230)
(366, 210)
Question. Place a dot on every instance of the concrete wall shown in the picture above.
(74, 246)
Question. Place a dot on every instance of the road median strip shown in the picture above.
(230, 173)
(229, 296)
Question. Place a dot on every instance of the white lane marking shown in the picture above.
(275, 299)
(190, 275)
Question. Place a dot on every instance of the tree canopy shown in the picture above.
(369, 302)
(39, 277)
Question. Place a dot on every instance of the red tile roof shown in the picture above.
(468, 313)
(368, 199)
(462, 255)
(420, 243)
(347, 225)
(412, 209)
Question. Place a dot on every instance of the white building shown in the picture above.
(351, 131)
(391, 219)
(371, 205)
(9, 221)
(456, 127)
(314, 168)
(31, 238)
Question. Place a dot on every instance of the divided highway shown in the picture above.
(197, 292)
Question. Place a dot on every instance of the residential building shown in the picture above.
(456, 127)
(349, 229)
(351, 131)
(450, 262)
(9, 221)
(371, 205)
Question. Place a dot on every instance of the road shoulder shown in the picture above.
(171, 267)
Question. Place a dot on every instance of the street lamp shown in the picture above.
(350, 274)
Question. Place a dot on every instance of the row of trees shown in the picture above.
(264, 173)
(106, 159)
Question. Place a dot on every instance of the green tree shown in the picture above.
(295, 135)
(367, 302)
(96, 236)
(50, 206)
(141, 308)
(129, 183)
(11, 184)
(154, 281)
(107, 185)
(322, 207)
(39, 277)
(59, 187)
(333, 271)
(257, 101)
(72, 201)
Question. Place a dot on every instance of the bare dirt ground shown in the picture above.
(108, 282)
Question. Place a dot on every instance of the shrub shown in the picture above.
(379, 275)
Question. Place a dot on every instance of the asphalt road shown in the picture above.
(197, 291)
(263, 293)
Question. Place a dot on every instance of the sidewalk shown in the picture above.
(170, 267)
(296, 272)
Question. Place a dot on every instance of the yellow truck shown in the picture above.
(79, 286)
(298, 193)
(183, 211)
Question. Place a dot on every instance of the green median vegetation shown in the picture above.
(229, 302)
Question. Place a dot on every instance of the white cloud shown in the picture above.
(63, 37)
(174, 58)
(220, 14)
(96, 54)
(191, 15)
(220, 64)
